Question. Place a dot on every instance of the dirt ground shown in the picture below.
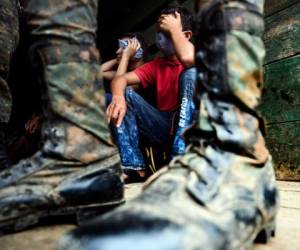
(287, 233)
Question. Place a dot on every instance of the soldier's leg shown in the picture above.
(221, 193)
(9, 32)
(77, 166)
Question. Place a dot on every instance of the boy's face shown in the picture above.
(167, 23)
(132, 47)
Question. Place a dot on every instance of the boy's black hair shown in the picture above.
(187, 19)
(141, 40)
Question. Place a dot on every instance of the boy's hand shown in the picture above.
(130, 50)
(170, 22)
(116, 110)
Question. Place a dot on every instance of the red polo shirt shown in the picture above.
(164, 73)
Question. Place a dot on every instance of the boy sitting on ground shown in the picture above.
(131, 114)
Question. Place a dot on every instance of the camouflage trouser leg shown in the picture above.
(9, 33)
(64, 33)
(77, 169)
(236, 47)
(236, 164)
(229, 63)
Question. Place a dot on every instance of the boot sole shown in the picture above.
(82, 215)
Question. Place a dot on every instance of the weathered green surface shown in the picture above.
(281, 107)
(281, 98)
(283, 140)
(282, 34)
(272, 6)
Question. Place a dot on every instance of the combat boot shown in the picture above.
(221, 193)
(77, 168)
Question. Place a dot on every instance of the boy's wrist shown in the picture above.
(117, 97)
(125, 56)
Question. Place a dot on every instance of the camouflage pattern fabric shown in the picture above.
(78, 167)
(71, 60)
(9, 32)
(221, 193)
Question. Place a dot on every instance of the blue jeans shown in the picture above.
(187, 85)
(141, 118)
(155, 126)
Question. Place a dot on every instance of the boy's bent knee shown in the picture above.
(188, 81)
(188, 76)
(131, 96)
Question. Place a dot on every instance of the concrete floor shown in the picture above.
(287, 233)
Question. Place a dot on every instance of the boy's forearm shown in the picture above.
(118, 85)
(109, 65)
(123, 65)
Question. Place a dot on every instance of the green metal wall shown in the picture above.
(281, 98)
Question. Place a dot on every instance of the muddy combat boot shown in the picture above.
(221, 193)
(77, 169)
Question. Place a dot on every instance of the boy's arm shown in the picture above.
(107, 69)
(117, 108)
(109, 65)
(185, 50)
